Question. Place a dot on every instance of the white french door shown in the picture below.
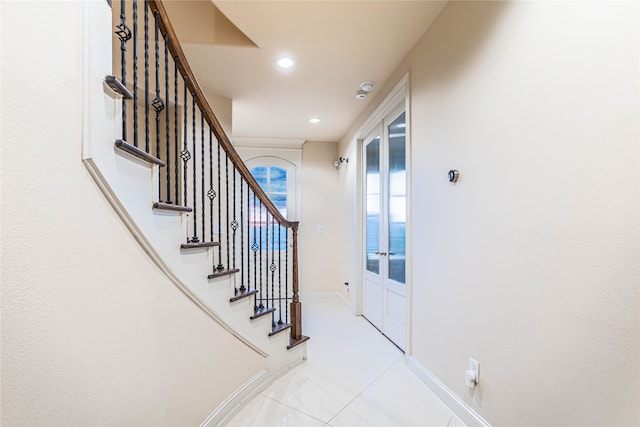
(384, 299)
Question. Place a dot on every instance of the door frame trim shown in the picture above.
(401, 91)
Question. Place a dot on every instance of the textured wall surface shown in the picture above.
(320, 219)
(92, 332)
(530, 263)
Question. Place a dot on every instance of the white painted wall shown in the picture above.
(320, 224)
(92, 331)
(531, 263)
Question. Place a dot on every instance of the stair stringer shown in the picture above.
(130, 185)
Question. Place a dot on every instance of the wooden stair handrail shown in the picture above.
(176, 50)
(180, 58)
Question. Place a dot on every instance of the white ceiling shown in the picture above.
(336, 45)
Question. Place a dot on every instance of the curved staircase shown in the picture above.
(160, 156)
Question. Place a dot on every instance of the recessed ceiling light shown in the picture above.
(285, 62)
(314, 120)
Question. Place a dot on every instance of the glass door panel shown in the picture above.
(397, 199)
(372, 225)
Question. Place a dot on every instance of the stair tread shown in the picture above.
(221, 273)
(117, 86)
(135, 151)
(259, 312)
(294, 343)
(240, 295)
(171, 207)
(199, 245)
(279, 327)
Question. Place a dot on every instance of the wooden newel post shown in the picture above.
(295, 306)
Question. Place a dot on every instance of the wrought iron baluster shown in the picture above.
(185, 155)
(254, 248)
(260, 245)
(234, 222)
(176, 126)
(157, 103)
(220, 266)
(124, 34)
(195, 238)
(211, 193)
(167, 119)
(248, 237)
(226, 218)
(204, 236)
(286, 275)
(234, 227)
(272, 267)
(266, 250)
(242, 286)
(279, 274)
(135, 73)
(146, 77)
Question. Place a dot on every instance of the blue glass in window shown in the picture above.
(260, 174)
(280, 201)
(278, 180)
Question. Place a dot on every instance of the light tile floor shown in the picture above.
(353, 377)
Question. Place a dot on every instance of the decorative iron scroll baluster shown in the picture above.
(135, 73)
(220, 266)
(242, 286)
(279, 275)
(248, 246)
(146, 77)
(195, 238)
(176, 126)
(157, 103)
(272, 267)
(124, 34)
(234, 222)
(261, 305)
(184, 154)
(211, 193)
(254, 248)
(265, 224)
(234, 225)
(263, 217)
(226, 218)
(167, 119)
(204, 236)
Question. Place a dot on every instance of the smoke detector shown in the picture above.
(366, 86)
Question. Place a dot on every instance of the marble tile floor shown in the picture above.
(353, 376)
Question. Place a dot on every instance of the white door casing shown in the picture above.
(385, 207)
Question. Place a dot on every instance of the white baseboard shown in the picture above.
(457, 405)
(235, 399)
(244, 394)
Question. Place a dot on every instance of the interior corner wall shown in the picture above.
(530, 263)
(92, 332)
(320, 225)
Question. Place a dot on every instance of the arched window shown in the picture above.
(273, 181)
(276, 177)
